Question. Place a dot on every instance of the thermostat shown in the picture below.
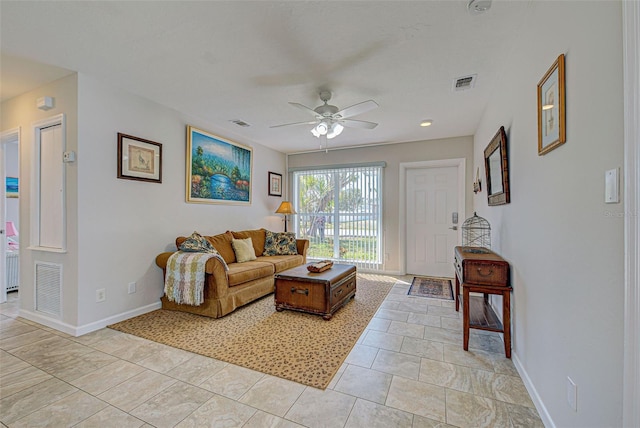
(69, 157)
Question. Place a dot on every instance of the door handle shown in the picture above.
(454, 228)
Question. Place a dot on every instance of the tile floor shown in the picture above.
(407, 370)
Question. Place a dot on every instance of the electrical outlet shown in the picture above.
(572, 394)
(101, 295)
(132, 287)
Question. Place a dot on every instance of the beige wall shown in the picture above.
(394, 155)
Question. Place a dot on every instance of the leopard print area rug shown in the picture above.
(292, 345)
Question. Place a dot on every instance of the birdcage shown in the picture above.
(476, 232)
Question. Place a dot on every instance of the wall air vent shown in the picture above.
(240, 122)
(48, 288)
(464, 83)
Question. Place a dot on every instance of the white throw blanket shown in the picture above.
(184, 280)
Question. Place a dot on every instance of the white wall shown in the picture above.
(393, 155)
(564, 244)
(115, 227)
(124, 224)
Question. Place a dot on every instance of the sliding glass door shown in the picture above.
(340, 212)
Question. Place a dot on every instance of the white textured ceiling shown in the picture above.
(244, 60)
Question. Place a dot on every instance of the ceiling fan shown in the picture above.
(329, 121)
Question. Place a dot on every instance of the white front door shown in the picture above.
(431, 223)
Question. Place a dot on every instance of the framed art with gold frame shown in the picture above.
(551, 108)
(218, 170)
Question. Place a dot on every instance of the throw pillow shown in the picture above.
(257, 237)
(280, 244)
(197, 243)
(243, 249)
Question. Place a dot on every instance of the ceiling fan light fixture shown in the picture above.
(426, 122)
(335, 130)
(320, 129)
(476, 7)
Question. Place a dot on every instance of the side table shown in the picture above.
(480, 270)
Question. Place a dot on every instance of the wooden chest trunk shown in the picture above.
(481, 266)
(317, 293)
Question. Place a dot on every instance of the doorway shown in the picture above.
(9, 212)
(432, 209)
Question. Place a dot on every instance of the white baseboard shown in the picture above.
(48, 322)
(87, 328)
(537, 401)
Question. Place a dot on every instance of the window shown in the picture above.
(340, 212)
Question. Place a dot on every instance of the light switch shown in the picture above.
(611, 188)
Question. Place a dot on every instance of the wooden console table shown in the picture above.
(480, 270)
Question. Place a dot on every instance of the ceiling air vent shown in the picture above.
(464, 83)
(240, 122)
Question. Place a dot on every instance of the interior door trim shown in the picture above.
(460, 163)
(7, 136)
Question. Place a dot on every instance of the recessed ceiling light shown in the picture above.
(426, 123)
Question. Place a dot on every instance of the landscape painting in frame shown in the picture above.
(218, 170)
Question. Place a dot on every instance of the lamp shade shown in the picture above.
(285, 208)
(11, 229)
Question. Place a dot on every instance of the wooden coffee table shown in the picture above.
(315, 293)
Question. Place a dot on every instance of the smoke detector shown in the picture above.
(476, 7)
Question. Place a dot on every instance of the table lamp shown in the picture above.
(286, 209)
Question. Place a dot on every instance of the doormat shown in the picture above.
(429, 286)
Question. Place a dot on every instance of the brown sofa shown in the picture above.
(243, 283)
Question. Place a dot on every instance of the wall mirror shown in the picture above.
(497, 169)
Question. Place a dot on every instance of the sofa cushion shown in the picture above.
(222, 243)
(243, 249)
(280, 244)
(282, 262)
(257, 237)
(239, 273)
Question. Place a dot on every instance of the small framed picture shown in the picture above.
(139, 159)
(275, 184)
(11, 188)
(551, 108)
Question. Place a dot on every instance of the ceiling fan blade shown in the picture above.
(305, 108)
(357, 109)
(309, 122)
(351, 123)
